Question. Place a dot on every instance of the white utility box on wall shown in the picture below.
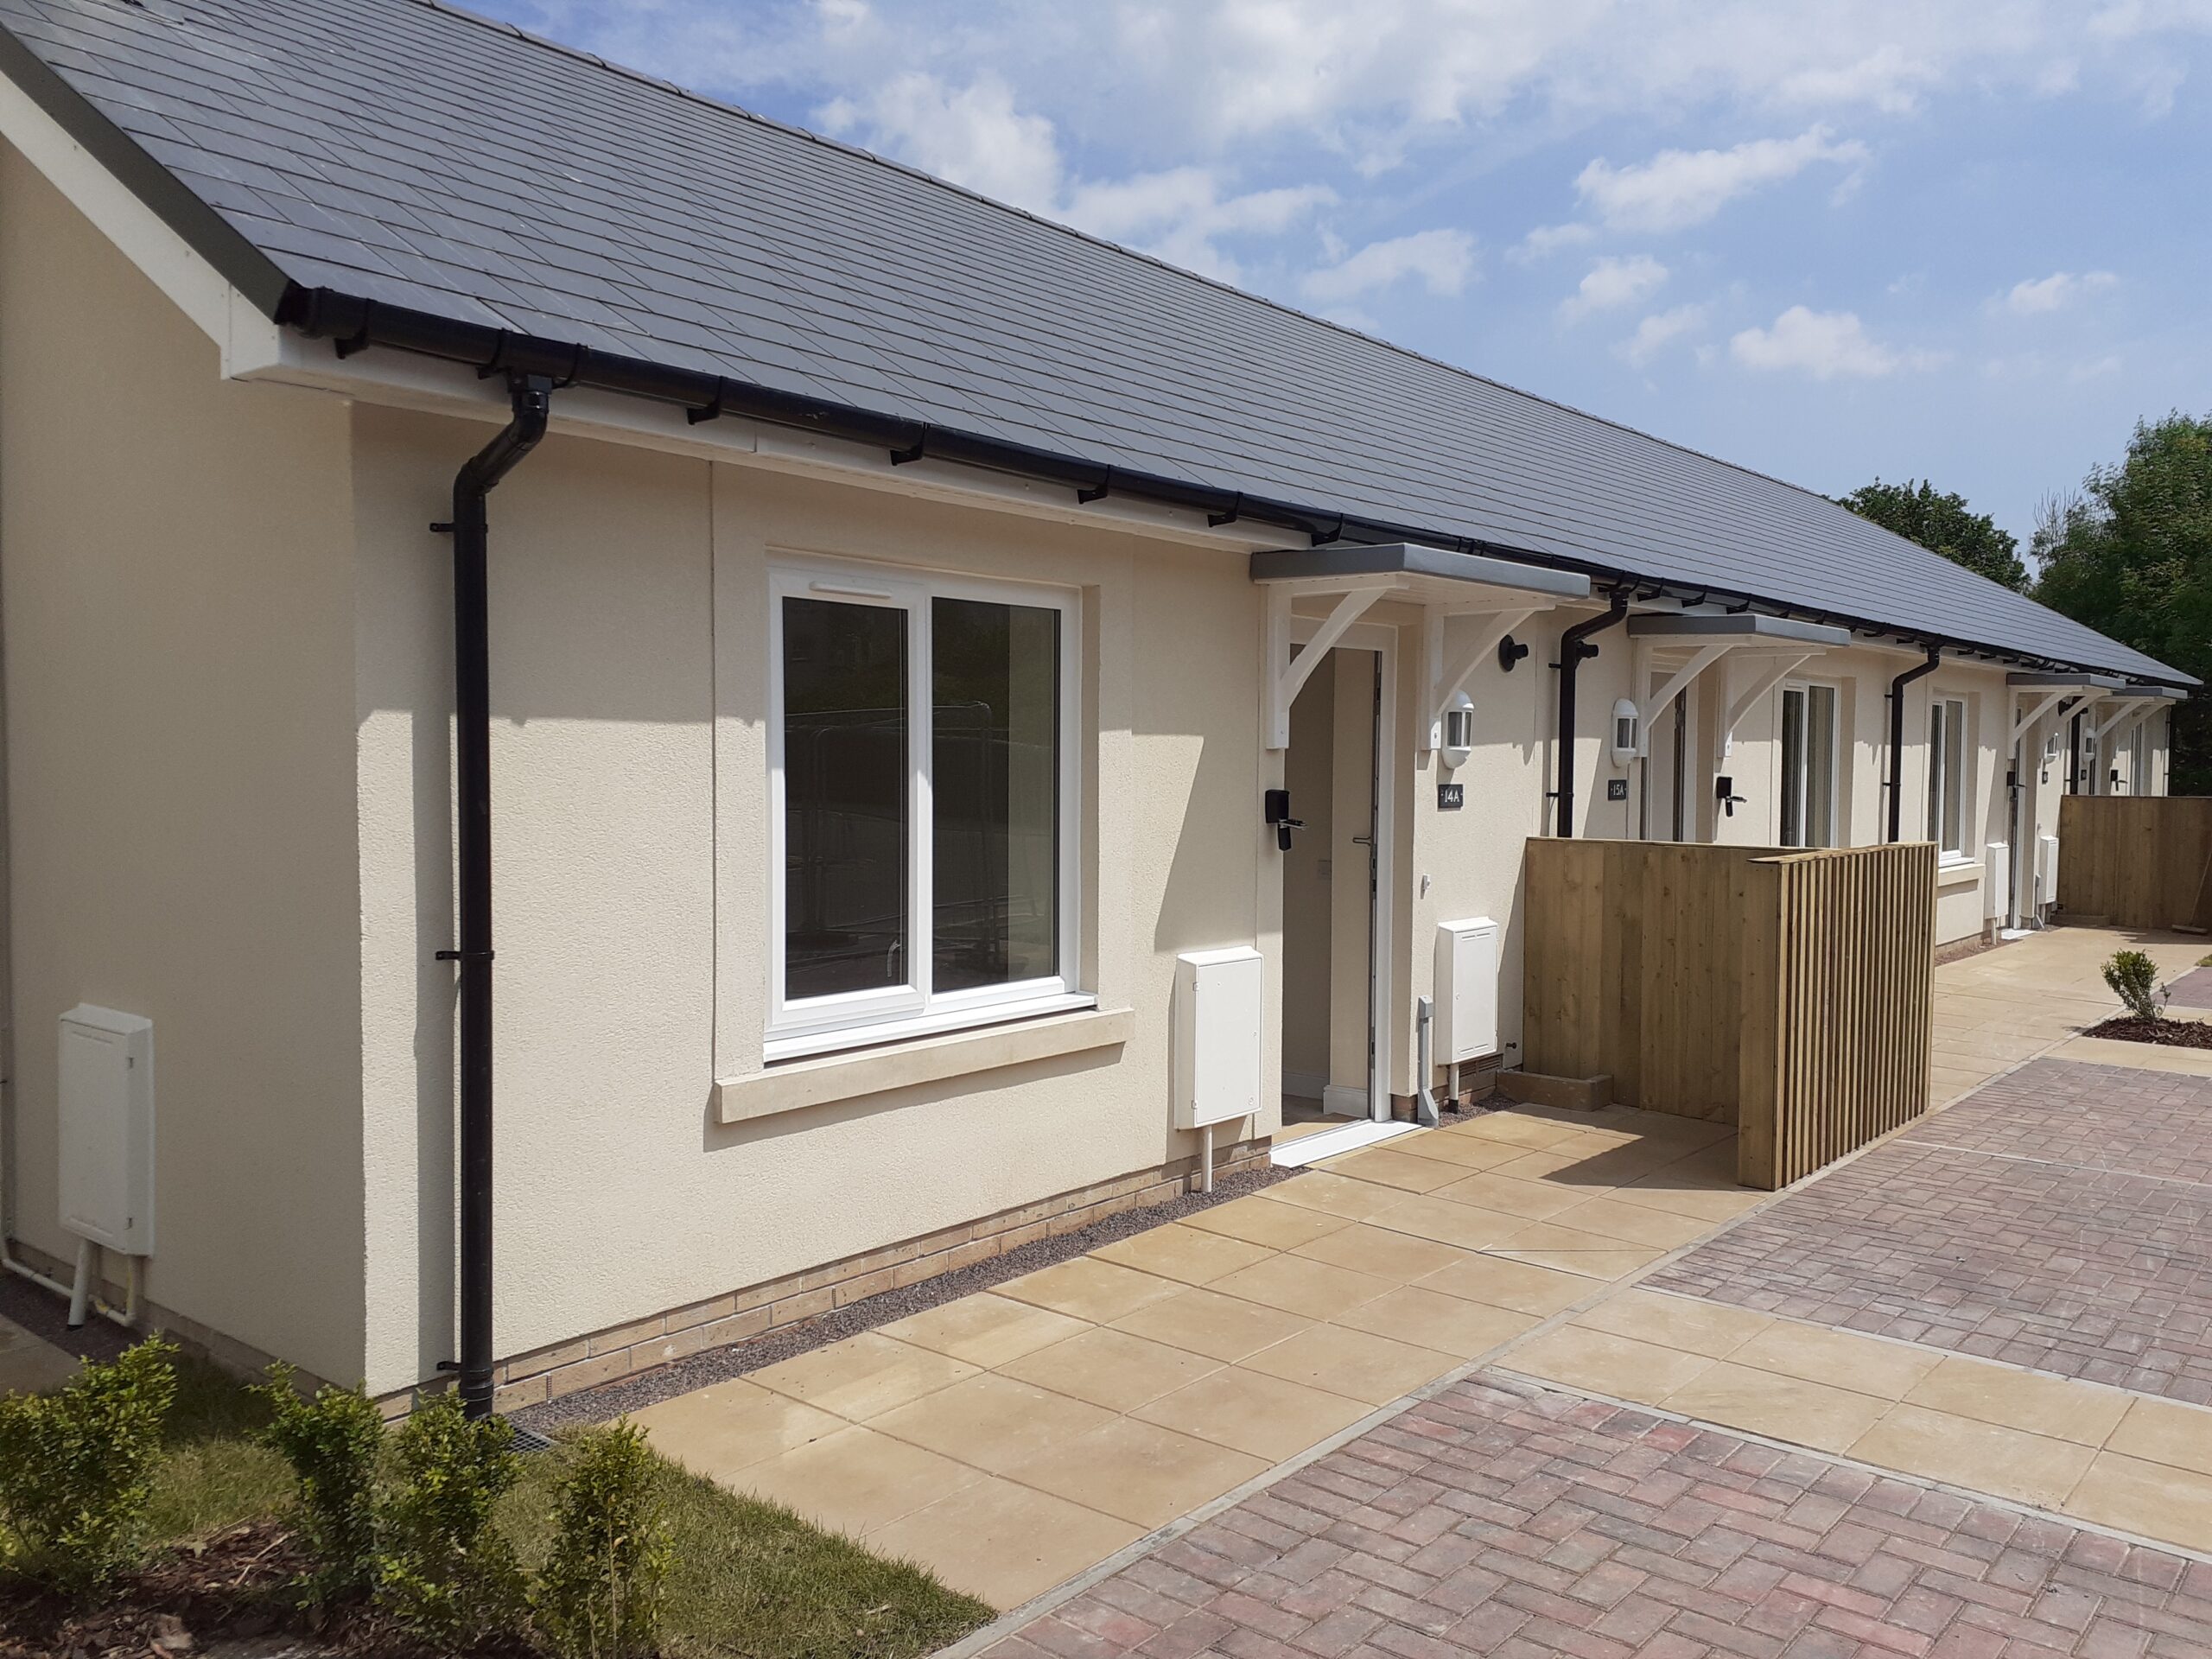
(2046, 870)
(1219, 1014)
(1466, 989)
(107, 1128)
(1997, 880)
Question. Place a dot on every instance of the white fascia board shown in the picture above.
(409, 380)
(245, 337)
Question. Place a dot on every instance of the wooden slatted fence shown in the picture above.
(1787, 993)
(2139, 860)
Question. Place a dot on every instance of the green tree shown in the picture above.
(2131, 556)
(1944, 524)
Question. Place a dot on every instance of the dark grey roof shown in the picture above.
(402, 153)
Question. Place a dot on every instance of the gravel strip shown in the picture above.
(611, 1399)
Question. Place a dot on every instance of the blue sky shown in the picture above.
(1960, 239)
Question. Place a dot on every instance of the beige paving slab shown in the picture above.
(1596, 1360)
(1887, 1370)
(1278, 1226)
(1114, 1369)
(1206, 1322)
(991, 1422)
(1431, 1319)
(30, 1365)
(1635, 1224)
(1087, 1289)
(1004, 1543)
(855, 1480)
(1355, 1363)
(1301, 1285)
(1252, 1411)
(1509, 1196)
(1139, 1471)
(1392, 1168)
(1451, 1146)
(1189, 1253)
(1500, 1283)
(1786, 1408)
(984, 1330)
(1571, 1250)
(1982, 1457)
(2054, 1406)
(1381, 1252)
(1712, 1204)
(1519, 1129)
(719, 1430)
(2154, 1499)
(863, 1375)
(1713, 1329)
(1448, 1222)
(1334, 1194)
(2165, 1431)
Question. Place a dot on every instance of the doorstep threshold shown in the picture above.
(1327, 1143)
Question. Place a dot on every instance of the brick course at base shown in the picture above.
(661, 1338)
(1504, 1519)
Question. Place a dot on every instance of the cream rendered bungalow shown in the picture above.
(928, 706)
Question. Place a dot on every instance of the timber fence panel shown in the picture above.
(2139, 860)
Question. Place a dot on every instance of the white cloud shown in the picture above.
(1889, 78)
(1179, 216)
(1823, 344)
(2062, 288)
(1679, 187)
(1441, 259)
(1613, 282)
(972, 135)
(1547, 240)
(1657, 331)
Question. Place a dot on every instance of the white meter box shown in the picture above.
(1219, 1011)
(1466, 989)
(107, 1128)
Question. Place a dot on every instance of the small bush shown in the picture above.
(599, 1593)
(443, 1570)
(333, 1442)
(2134, 979)
(77, 1468)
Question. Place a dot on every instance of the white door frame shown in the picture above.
(1383, 640)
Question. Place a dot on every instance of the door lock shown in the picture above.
(1276, 808)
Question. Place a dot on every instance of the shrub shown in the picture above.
(2134, 979)
(77, 1467)
(599, 1593)
(333, 1442)
(443, 1570)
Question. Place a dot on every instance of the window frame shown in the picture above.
(1790, 779)
(1952, 710)
(796, 1028)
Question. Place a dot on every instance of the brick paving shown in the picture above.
(1503, 1518)
(2060, 1219)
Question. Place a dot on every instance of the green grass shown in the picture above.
(749, 1579)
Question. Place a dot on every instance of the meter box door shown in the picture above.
(1466, 989)
(1218, 1024)
(107, 1128)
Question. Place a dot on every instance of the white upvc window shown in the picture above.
(1946, 776)
(923, 771)
(1809, 765)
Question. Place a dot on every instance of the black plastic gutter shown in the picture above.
(1574, 647)
(355, 324)
(530, 398)
(1897, 737)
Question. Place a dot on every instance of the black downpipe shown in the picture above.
(1573, 648)
(1896, 738)
(532, 396)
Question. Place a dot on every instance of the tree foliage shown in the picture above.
(2131, 556)
(1944, 524)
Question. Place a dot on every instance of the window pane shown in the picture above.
(1793, 768)
(1939, 774)
(1820, 766)
(1953, 839)
(995, 771)
(846, 770)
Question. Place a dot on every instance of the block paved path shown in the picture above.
(1502, 1517)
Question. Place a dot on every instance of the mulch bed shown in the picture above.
(2167, 1034)
(233, 1592)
